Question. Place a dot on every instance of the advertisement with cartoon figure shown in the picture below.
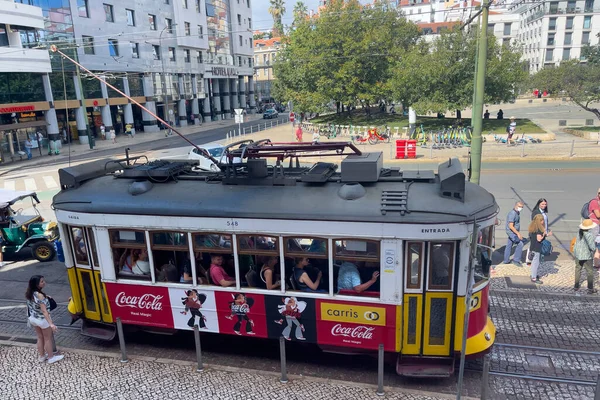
(193, 307)
(291, 317)
(241, 314)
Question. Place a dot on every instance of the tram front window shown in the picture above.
(484, 254)
(440, 265)
(79, 246)
(130, 254)
(356, 268)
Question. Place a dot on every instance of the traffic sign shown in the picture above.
(239, 119)
(239, 111)
(292, 116)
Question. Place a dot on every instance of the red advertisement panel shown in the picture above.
(241, 314)
(140, 305)
(361, 325)
(479, 311)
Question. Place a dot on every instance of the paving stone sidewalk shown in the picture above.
(91, 376)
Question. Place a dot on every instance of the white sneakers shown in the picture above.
(55, 358)
(42, 358)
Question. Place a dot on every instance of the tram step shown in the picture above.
(425, 367)
(98, 330)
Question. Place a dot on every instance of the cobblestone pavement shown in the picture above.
(515, 388)
(106, 378)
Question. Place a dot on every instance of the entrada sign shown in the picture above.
(223, 71)
(15, 109)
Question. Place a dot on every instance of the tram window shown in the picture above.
(441, 260)
(171, 256)
(90, 234)
(356, 267)
(79, 246)
(258, 259)
(306, 247)
(484, 254)
(215, 243)
(414, 260)
(130, 254)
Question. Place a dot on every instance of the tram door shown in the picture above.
(91, 288)
(428, 298)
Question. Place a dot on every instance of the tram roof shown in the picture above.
(202, 197)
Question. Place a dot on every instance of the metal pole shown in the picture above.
(284, 378)
(597, 393)
(121, 341)
(380, 357)
(200, 367)
(463, 347)
(431, 150)
(523, 150)
(250, 128)
(477, 117)
(572, 148)
(485, 378)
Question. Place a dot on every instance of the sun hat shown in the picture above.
(512, 118)
(587, 224)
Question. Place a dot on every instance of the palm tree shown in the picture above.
(300, 11)
(277, 9)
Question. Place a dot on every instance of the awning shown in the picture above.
(22, 125)
(9, 197)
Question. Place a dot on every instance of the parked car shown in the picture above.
(270, 113)
(216, 150)
(23, 227)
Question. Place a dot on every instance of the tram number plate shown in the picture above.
(232, 224)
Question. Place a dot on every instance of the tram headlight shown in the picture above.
(487, 336)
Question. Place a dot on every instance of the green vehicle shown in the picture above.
(23, 227)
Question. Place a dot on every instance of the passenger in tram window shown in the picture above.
(303, 280)
(349, 278)
(317, 246)
(186, 274)
(217, 274)
(168, 273)
(135, 261)
(265, 243)
(440, 267)
(270, 279)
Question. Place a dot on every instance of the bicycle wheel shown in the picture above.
(387, 139)
(355, 139)
(373, 140)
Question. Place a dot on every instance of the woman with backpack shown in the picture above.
(583, 251)
(537, 234)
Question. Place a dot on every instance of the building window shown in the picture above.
(169, 25)
(239, 19)
(585, 38)
(587, 22)
(554, 7)
(551, 39)
(113, 47)
(507, 28)
(571, 6)
(184, 3)
(552, 24)
(199, 58)
(249, 61)
(200, 31)
(251, 42)
(589, 5)
(568, 38)
(198, 8)
(130, 17)
(82, 8)
(566, 54)
(187, 57)
(152, 21)
(187, 28)
(239, 61)
(569, 23)
(156, 52)
(166, 1)
(171, 53)
(241, 40)
(88, 45)
(135, 50)
(248, 3)
(549, 54)
(108, 13)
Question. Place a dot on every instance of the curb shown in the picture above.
(224, 368)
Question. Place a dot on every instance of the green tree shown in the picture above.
(575, 80)
(277, 10)
(591, 53)
(300, 13)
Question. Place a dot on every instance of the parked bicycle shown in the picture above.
(373, 137)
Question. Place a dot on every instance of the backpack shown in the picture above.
(585, 210)
(546, 247)
(572, 247)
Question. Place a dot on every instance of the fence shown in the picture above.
(247, 130)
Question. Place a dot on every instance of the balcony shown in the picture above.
(24, 60)
(18, 14)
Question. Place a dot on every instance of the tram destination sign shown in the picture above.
(15, 109)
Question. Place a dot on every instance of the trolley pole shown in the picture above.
(463, 347)
(477, 116)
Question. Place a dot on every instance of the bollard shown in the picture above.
(271, 123)
(200, 367)
(121, 341)
(485, 377)
(380, 356)
(523, 150)
(284, 378)
(572, 149)
(250, 128)
(431, 150)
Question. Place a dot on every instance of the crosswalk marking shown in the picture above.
(30, 184)
(50, 182)
(10, 185)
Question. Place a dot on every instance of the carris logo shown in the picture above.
(358, 332)
(144, 302)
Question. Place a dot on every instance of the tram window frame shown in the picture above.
(408, 264)
(349, 257)
(451, 267)
(92, 248)
(218, 249)
(258, 257)
(480, 250)
(255, 250)
(179, 248)
(339, 258)
(202, 271)
(128, 246)
(300, 254)
(77, 260)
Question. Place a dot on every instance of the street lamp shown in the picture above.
(167, 108)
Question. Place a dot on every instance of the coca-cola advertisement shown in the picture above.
(241, 314)
(193, 307)
(290, 317)
(140, 305)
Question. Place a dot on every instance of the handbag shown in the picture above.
(546, 248)
(52, 302)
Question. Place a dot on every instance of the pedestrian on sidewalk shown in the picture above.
(511, 129)
(541, 208)
(583, 251)
(513, 226)
(299, 134)
(594, 215)
(103, 131)
(38, 307)
(113, 136)
(28, 146)
(537, 234)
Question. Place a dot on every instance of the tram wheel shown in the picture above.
(43, 251)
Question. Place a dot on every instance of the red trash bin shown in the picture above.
(400, 148)
(411, 149)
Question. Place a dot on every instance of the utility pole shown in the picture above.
(477, 116)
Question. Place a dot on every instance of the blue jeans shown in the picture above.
(513, 239)
(28, 151)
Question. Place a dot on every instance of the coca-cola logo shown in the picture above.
(356, 332)
(144, 302)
